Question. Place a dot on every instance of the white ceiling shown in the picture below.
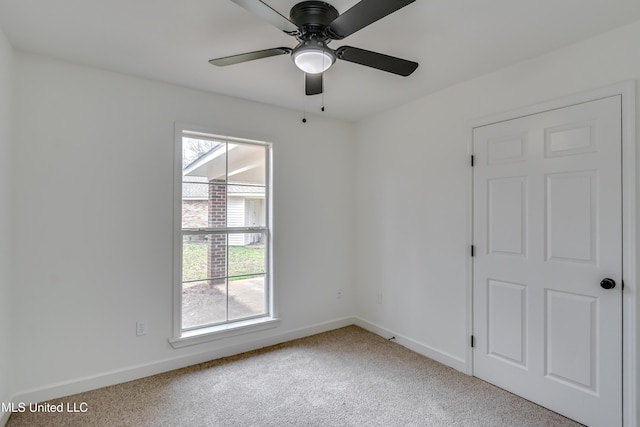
(172, 40)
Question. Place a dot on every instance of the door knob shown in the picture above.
(608, 283)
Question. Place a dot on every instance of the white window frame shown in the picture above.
(192, 336)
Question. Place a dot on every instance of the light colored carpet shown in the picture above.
(346, 377)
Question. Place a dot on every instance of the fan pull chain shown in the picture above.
(304, 103)
(324, 63)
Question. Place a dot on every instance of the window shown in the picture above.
(223, 237)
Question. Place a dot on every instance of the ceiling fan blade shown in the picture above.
(249, 56)
(380, 61)
(269, 14)
(313, 83)
(362, 14)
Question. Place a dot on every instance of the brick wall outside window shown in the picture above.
(217, 247)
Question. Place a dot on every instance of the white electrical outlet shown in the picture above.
(141, 327)
(379, 297)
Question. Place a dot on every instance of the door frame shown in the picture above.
(630, 298)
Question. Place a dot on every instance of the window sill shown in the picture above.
(213, 333)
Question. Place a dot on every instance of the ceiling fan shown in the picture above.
(315, 24)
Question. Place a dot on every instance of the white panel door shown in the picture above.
(547, 230)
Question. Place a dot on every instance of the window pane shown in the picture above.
(203, 303)
(247, 164)
(194, 258)
(246, 206)
(198, 152)
(246, 254)
(204, 204)
(204, 256)
(247, 297)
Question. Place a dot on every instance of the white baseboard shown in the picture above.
(420, 348)
(105, 379)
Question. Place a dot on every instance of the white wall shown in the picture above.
(93, 162)
(6, 74)
(412, 187)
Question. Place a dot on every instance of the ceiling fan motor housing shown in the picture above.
(313, 18)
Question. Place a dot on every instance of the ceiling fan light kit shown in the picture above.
(313, 57)
(315, 24)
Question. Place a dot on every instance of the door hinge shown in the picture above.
(622, 284)
(473, 250)
(473, 341)
(473, 160)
